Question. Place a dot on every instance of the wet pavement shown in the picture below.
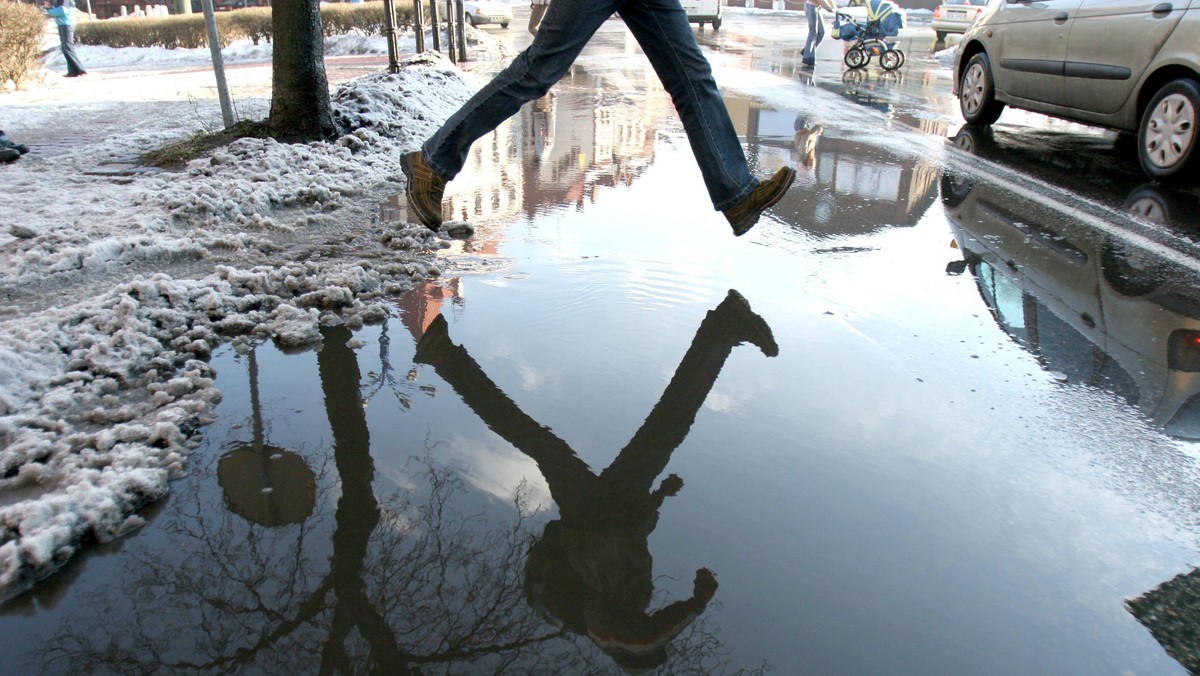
(933, 415)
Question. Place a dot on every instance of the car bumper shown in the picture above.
(491, 18)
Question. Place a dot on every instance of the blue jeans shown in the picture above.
(662, 29)
(66, 40)
(816, 31)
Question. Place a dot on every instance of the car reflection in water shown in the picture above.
(1089, 163)
(1090, 305)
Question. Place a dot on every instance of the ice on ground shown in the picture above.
(946, 57)
(103, 371)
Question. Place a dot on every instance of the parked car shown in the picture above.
(956, 16)
(1129, 65)
(480, 12)
(701, 11)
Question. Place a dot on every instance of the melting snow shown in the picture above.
(117, 289)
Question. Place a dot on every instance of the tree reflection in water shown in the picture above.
(408, 585)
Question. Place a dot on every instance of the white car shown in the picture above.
(956, 16)
(480, 12)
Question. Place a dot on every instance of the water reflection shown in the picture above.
(596, 129)
(591, 570)
(1095, 164)
(250, 474)
(843, 186)
(414, 579)
(1094, 308)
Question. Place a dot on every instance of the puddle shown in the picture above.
(613, 438)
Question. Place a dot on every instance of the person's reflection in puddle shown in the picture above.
(591, 570)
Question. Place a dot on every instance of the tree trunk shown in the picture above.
(300, 107)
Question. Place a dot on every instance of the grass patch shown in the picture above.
(177, 155)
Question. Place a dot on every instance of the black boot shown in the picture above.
(6, 143)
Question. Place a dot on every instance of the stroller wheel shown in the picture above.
(857, 57)
(891, 59)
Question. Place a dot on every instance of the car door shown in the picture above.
(1031, 38)
(1111, 44)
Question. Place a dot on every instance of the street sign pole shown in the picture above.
(214, 46)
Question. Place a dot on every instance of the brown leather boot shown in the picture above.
(424, 190)
(743, 215)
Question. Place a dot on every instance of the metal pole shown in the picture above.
(214, 46)
(462, 31)
(389, 31)
(419, 25)
(437, 25)
(451, 47)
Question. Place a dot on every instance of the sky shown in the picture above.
(117, 287)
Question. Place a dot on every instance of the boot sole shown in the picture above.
(751, 219)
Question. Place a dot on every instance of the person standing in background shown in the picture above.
(537, 10)
(816, 27)
(64, 15)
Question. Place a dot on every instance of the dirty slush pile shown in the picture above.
(120, 290)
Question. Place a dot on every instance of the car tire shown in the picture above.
(1121, 270)
(716, 24)
(470, 21)
(504, 24)
(1167, 134)
(940, 35)
(856, 57)
(977, 92)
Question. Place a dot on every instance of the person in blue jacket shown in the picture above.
(64, 15)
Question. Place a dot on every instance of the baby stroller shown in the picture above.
(883, 21)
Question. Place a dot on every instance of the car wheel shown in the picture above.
(1167, 133)
(471, 21)
(977, 92)
(504, 24)
(1129, 273)
(891, 59)
(941, 35)
(716, 24)
(857, 57)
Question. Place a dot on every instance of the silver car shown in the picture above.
(1129, 65)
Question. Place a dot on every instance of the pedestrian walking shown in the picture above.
(537, 11)
(662, 29)
(816, 28)
(64, 15)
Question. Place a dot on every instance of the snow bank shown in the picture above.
(101, 392)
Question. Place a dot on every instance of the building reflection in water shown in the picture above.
(560, 150)
(844, 186)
